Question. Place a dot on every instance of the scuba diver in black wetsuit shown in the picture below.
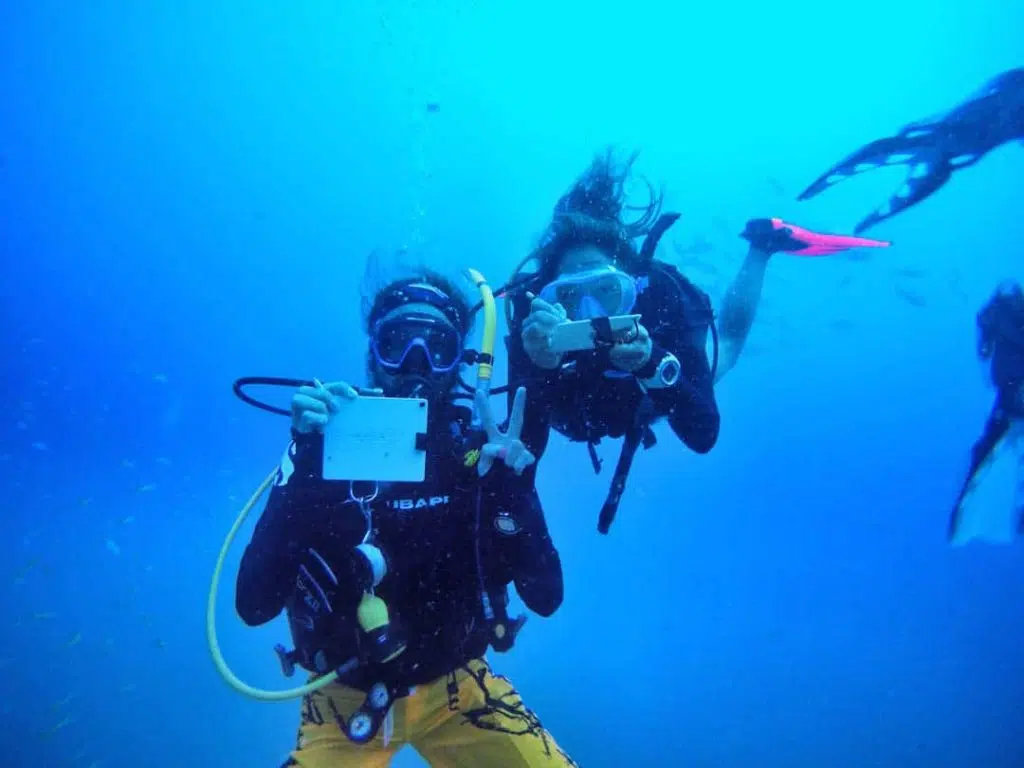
(401, 587)
(936, 147)
(588, 269)
(1001, 344)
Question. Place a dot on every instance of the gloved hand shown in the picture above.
(763, 236)
(537, 332)
(312, 406)
(503, 445)
(330, 581)
(633, 354)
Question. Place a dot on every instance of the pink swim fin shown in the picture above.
(777, 236)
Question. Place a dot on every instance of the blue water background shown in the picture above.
(189, 193)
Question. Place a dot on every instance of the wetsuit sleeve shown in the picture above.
(267, 572)
(690, 404)
(528, 555)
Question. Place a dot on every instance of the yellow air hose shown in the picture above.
(211, 617)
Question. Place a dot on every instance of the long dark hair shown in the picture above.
(594, 211)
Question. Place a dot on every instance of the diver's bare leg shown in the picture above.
(738, 310)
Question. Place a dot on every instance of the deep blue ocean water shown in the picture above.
(189, 193)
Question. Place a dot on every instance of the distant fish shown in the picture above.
(913, 299)
(433, 107)
(20, 576)
(910, 273)
(722, 226)
(58, 727)
(699, 247)
(703, 267)
(112, 547)
(160, 378)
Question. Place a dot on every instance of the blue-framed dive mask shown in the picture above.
(602, 292)
(394, 339)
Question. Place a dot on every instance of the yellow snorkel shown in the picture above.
(485, 370)
(485, 359)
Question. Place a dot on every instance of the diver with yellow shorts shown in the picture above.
(395, 589)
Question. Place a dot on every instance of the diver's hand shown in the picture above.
(503, 445)
(312, 406)
(537, 333)
(342, 576)
(634, 354)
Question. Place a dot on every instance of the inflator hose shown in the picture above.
(211, 618)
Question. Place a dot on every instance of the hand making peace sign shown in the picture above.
(503, 445)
